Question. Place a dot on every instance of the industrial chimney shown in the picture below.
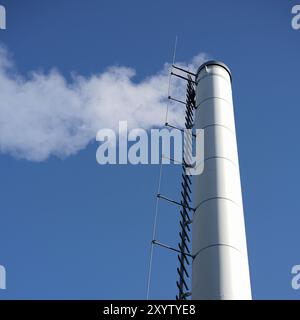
(220, 266)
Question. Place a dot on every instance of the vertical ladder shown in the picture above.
(185, 203)
(186, 191)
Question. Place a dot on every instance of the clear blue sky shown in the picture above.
(74, 229)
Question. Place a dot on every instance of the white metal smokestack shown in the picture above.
(220, 266)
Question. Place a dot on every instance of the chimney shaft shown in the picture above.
(220, 267)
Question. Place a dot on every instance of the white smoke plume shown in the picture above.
(42, 114)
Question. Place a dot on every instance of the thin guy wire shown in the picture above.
(171, 69)
(154, 233)
(159, 184)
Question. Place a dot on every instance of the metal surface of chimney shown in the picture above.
(220, 265)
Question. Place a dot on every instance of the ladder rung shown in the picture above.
(186, 71)
(182, 77)
(184, 234)
(184, 256)
(182, 279)
(183, 267)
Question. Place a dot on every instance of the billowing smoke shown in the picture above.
(42, 114)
